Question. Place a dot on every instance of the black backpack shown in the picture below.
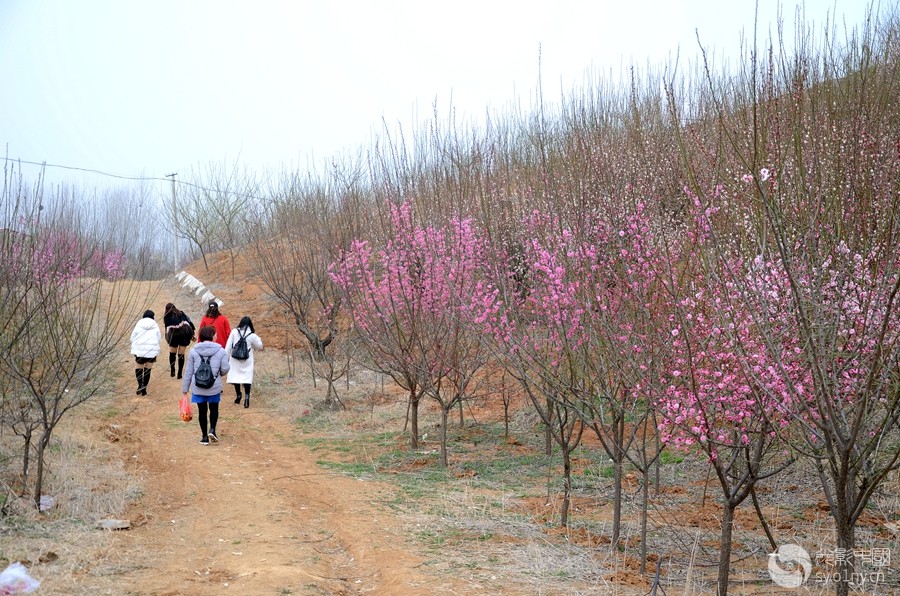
(240, 350)
(204, 377)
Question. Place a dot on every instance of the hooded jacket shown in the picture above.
(145, 338)
(218, 360)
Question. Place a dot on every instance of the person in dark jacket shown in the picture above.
(206, 399)
(179, 335)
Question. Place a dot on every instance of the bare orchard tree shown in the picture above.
(213, 207)
(135, 219)
(62, 304)
(56, 350)
(299, 236)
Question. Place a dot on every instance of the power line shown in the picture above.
(136, 178)
(53, 165)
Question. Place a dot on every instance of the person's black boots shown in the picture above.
(180, 364)
(171, 365)
(237, 399)
(146, 381)
(247, 397)
(139, 375)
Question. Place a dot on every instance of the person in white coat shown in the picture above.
(145, 340)
(241, 372)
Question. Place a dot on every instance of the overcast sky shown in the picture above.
(146, 88)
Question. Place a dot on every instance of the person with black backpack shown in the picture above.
(206, 363)
(240, 346)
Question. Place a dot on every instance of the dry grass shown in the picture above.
(497, 530)
(89, 482)
(491, 519)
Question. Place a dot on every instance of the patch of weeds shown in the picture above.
(430, 538)
(669, 457)
(425, 482)
(315, 444)
(307, 422)
(348, 468)
(339, 445)
(507, 468)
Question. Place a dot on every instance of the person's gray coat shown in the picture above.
(218, 360)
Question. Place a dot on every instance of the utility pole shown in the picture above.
(174, 217)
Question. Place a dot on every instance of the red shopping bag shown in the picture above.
(187, 414)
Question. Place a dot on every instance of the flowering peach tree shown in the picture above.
(411, 303)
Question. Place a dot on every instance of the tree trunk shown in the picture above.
(318, 349)
(762, 520)
(725, 549)
(617, 499)
(26, 458)
(506, 419)
(846, 539)
(645, 504)
(312, 370)
(548, 430)
(505, 398)
(445, 416)
(413, 420)
(39, 469)
(567, 486)
(333, 401)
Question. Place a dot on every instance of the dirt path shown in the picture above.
(252, 514)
